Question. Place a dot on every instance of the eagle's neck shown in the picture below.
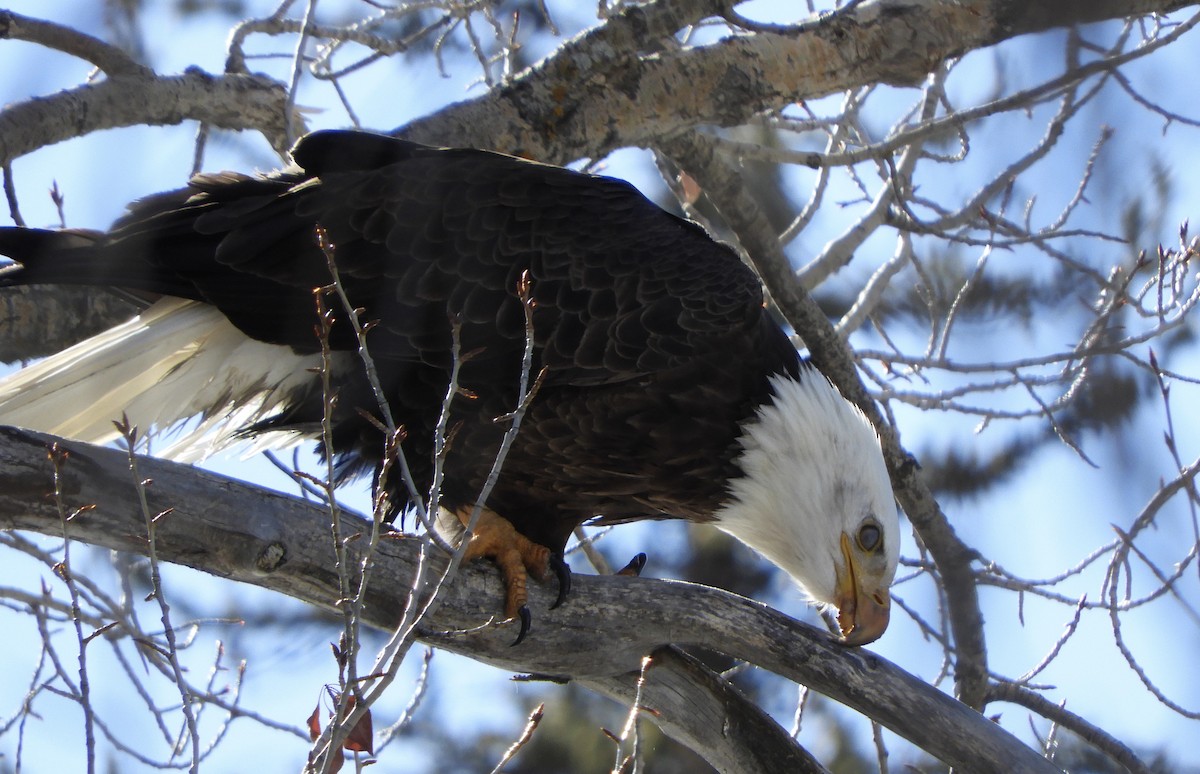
(811, 467)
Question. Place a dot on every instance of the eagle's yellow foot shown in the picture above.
(517, 556)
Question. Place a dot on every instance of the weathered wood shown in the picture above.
(40, 320)
(585, 100)
(244, 533)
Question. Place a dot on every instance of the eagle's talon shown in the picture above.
(562, 571)
(526, 621)
(518, 557)
(536, 558)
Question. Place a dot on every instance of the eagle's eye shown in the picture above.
(870, 537)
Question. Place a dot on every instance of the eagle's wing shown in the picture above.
(621, 288)
(427, 241)
(421, 235)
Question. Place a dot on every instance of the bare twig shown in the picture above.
(152, 520)
(1094, 736)
(66, 572)
(531, 725)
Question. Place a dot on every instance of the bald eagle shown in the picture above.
(664, 389)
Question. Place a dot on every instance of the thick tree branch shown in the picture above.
(240, 532)
(234, 102)
(587, 99)
(583, 101)
(37, 321)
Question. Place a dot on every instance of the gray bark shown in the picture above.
(240, 532)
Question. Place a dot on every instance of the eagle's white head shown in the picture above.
(816, 500)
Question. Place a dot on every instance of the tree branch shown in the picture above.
(244, 533)
(550, 113)
(731, 732)
(225, 101)
(1057, 713)
(110, 59)
(584, 101)
(40, 320)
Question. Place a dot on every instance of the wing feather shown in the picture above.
(624, 295)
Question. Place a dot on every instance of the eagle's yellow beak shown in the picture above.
(863, 603)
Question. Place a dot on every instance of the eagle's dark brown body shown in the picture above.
(654, 340)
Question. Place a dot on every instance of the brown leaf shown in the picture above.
(314, 723)
(361, 737)
(314, 732)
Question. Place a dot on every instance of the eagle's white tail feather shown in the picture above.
(177, 360)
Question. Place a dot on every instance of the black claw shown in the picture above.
(526, 620)
(562, 571)
(635, 566)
